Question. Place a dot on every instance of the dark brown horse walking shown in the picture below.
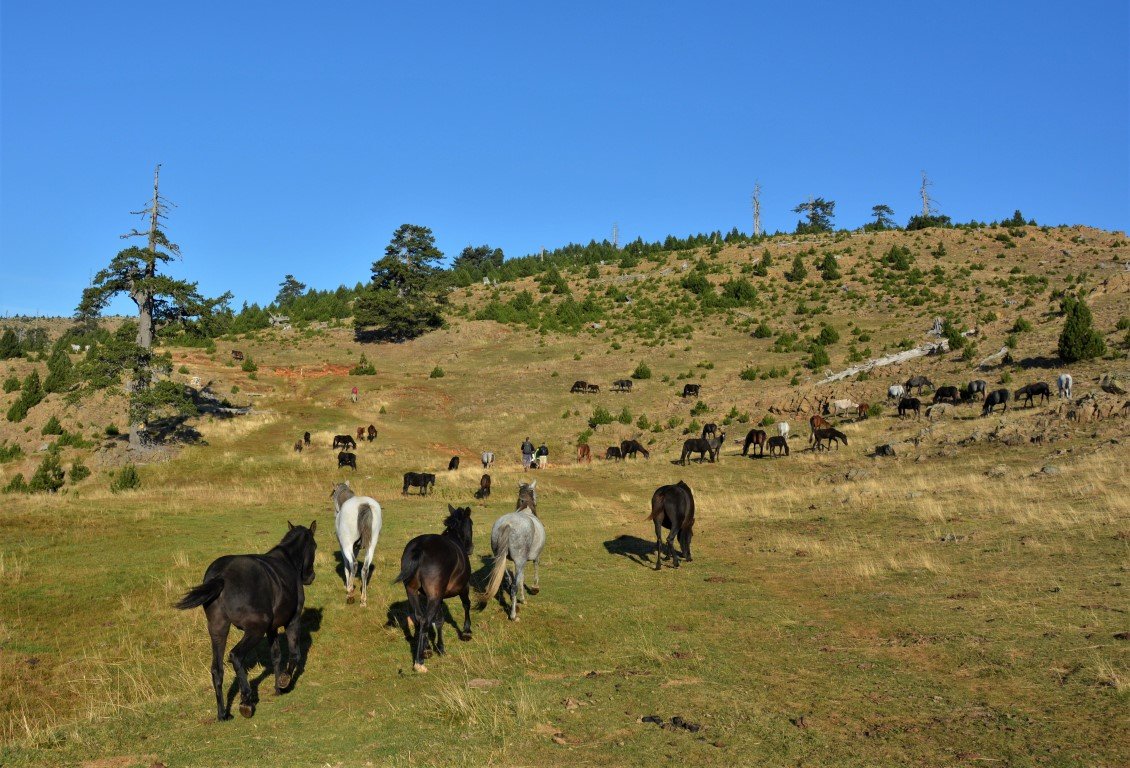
(260, 594)
(757, 439)
(672, 507)
(434, 567)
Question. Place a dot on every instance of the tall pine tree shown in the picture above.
(405, 297)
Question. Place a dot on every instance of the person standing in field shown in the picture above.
(527, 453)
(542, 456)
(353, 395)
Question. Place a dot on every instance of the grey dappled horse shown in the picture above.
(518, 536)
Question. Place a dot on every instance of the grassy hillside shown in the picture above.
(962, 603)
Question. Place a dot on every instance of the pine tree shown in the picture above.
(405, 296)
(829, 269)
(60, 371)
(9, 345)
(1079, 340)
(798, 271)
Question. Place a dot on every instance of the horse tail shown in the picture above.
(365, 525)
(409, 564)
(202, 594)
(498, 569)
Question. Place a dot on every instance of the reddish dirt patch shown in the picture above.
(312, 371)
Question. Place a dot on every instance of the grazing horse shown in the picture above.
(1063, 383)
(579, 386)
(344, 441)
(360, 434)
(488, 459)
(484, 488)
(757, 438)
(434, 567)
(629, 449)
(347, 459)
(622, 385)
(1038, 389)
(517, 536)
(710, 428)
(371, 433)
(975, 387)
(832, 436)
(259, 594)
(236, 354)
(453, 464)
(944, 394)
(919, 382)
(908, 404)
(672, 507)
(691, 390)
(993, 399)
(840, 407)
(357, 520)
(896, 392)
(306, 438)
(613, 452)
(703, 447)
(815, 422)
(298, 446)
(584, 453)
(861, 410)
(593, 389)
(778, 443)
(783, 429)
(421, 480)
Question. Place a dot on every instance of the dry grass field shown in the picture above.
(962, 604)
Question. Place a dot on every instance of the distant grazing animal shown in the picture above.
(371, 433)
(778, 443)
(527, 496)
(579, 386)
(1038, 389)
(691, 390)
(629, 449)
(908, 404)
(357, 520)
(1063, 383)
(484, 488)
(757, 438)
(347, 459)
(862, 410)
(306, 438)
(815, 422)
(236, 354)
(622, 385)
(487, 459)
(783, 429)
(593, 389)
(421, 480)
(298, 446)
(360, 434)
(703, 447)
(453, 464)
(672, 507)
(584, 453)
(613, 452)
(885, 450)
(344, 441)
(896, 392)
(995, 398)
(919, 382)
(975, 387)
(433, 568)
(840, 407)
(259, 594)
(709, 428)
(944, 394)
(832, 436)
(517, 536)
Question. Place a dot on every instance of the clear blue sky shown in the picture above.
(295, 137)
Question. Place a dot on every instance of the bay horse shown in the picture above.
(584, 453)
(815, 422)
(862, 410)
(672, 507)
(629, 449)
(756, 438)
(260, 594)
(517, 536)
(421, 480)
(360, 434)
(778, 443)
(832, 435)
(434, 567)
(484, 488)
(357, 522)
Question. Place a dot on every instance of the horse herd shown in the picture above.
(990, 400)
(263, 594)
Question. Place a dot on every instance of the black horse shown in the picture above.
(259, 594)
(756, 438)
(993, 399)
(691, 390)
(830, 434)
(453, 464)
(908, 404)
(778, 443)
(421, 480)
(433, 568)
(347, 459)
(919, 382)
(613, 453)
(579, 386)
(622, 385)
(344, 441)
(950, 394)
(710, 428)
(629, 449)
(672, 507)
(974, 388)
(306, 438)
(371, 433)
(1038, 389)
(703, 447)
(484, 488)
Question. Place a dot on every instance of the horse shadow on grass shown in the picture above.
(311, 623)
(632, 547)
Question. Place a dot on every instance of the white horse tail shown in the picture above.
(499, 568)
(365, 525)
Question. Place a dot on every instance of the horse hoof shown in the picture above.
(364, 603)
(349, 599)
(420, 668)
(247, 710)
(427, 654)
(465, 636)
(282, 682)
(533, 590)
(224, 717)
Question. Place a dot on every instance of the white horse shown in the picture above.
(1064, 384)
(896, 392)
(518, 536)
(783, 429)
(358, 523)
(487, 459)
